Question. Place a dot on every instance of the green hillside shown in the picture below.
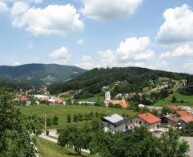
(124, 80)
(40, 73)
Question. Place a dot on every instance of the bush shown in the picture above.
(55, 120)
(69, 118)
(49, 121)
(75, 118)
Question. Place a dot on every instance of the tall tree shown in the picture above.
(15, 140)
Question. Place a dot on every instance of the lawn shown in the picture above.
(188, 100)
(49, 149)
(63, 111)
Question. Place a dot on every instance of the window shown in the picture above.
(139, 122)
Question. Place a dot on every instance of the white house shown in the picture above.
(146, 119)
(114, 123)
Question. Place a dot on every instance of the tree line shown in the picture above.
(137, 143)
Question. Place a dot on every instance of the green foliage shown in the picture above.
(188, 90)
(172, 146)
(188, 129)
(35, 123)
(69, 119)
(49, 121)
(166, 110)
(173, 99)
(55, 120)
(139, 143)
(75, 118)
(115, 106)
(131, 79)
(15, 129)
(40, 73)
(79, 138)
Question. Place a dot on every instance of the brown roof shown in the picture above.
(149, 118)
(183, 113)
(122, 103)
(187, 119)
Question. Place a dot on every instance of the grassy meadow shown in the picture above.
(183, 100)
(50, 149)
(63, 111)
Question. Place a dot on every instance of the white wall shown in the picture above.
(140, 122)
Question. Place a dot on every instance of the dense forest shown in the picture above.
(130, 79)
(38, 74)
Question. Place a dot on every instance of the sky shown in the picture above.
(155, 34)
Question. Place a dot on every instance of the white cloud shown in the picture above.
(52, 20)
(135, 49)
(183, 50)
(130, 52)
(107, 58)
(105, 9)
(3, 7)
(178, 25)
(19, 8)
(61, 55)
(86, 62)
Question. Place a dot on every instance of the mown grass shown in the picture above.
(183, 100)
(49, 149)
(63, 111)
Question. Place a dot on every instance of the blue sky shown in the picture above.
(98, 33)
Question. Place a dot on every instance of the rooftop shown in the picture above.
(122, 103)
(149, 118)
(114, 118)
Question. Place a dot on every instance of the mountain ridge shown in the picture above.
(40, 73)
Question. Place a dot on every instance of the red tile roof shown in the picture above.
(183, 113)
(122, 103)
(149, 118)
(187, 119)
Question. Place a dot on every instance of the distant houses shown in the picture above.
(109, 102)
(50, 99)
(116, 123)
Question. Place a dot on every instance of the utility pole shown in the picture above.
(45, 122)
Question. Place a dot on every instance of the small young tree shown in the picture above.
(69, 119)
(55, 120)
(49, 121)
(75, 118)
(80, 117)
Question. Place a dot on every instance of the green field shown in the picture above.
(63, 111)
(188, 100)
(49, 149)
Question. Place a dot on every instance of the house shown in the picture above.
(171, 120)
(41, 97)
(185, 117)
(56, 101)
(114, 123)
(182, 113)
(122, 103)
(91, 103)
(146, 119)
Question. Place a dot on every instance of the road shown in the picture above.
(54, 138)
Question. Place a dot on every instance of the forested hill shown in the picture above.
(131, 79)
(40, 73)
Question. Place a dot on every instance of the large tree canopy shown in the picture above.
(15, 130)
